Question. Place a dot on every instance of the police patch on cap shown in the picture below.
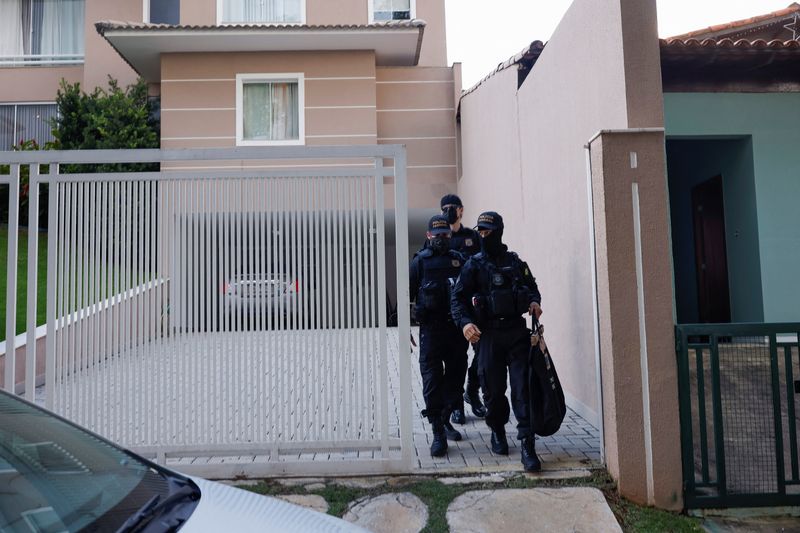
(490, 220)
(438, 225)
(497, 279)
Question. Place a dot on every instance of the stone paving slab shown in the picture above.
(399, 512)
(309, 501)
(576, 509)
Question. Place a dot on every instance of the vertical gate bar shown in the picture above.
(371, 210)
(248, 431)
(403, 310)
(719, 431)
(317, 201)
(94, 300)
(11, 281)
(33, 282)
(115, 296)
(84, 261)
(685, 406)
(52, 257)
(128, 320)
(272, 398)
(201, 405)
(787, 355)
(148, 281)
(105, 297)
(350, 305)
(195, 332)
(701, 409)
(338, 308)
(776, 412)
(380, 207)
(362, 349)
(61, 309)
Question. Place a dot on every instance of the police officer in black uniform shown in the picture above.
(492, 293)
(442, 345)
(467, 241)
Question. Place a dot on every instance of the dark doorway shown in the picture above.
(711, 259)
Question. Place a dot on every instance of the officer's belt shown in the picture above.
(504, 323)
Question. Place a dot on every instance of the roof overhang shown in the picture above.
(141, 44)
(727, 65)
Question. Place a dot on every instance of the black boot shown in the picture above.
(439, 443)
(530, 462)
(458, 417)
(451, 432)
(499, 442)
(473, 398)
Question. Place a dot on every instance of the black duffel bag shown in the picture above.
(548, 407)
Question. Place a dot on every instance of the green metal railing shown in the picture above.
(738, 388)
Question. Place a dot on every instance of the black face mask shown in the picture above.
(492, 244)
(440, 244)
(451, 213)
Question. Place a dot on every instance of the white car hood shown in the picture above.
(225, 508)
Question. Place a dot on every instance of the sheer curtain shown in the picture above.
(261, 10)
(62, 27)
(11, 43)
(271, 111)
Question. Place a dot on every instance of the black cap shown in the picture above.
(450, 199)
(490, 220)
(438, 225)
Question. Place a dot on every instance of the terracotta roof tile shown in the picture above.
(678, 44)
(530, 53)
(793, 8)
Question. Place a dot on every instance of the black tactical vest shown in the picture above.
(438, 274)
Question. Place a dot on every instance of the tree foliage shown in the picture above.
(112, 118)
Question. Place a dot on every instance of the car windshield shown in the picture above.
(55, 477)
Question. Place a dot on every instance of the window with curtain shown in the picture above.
(25, 122)
(261, 11)
(270, 111)
(44, 31)
(391, 10)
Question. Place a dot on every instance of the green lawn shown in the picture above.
(22, 280)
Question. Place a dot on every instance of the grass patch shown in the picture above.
(22, 280)
(438, 496)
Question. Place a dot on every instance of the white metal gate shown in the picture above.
(230, 319)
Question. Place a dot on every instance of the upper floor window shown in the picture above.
(269, 109)
(25, 122)
(261, 11)
(163, 11)
(41, 31)
(383, 10)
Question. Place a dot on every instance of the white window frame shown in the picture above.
(301, 23)
(146, 11)
(241, 79)
(371, 8)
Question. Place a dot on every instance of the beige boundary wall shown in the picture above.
(524, 154)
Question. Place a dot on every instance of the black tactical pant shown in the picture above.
(505, 351)
(443, 365)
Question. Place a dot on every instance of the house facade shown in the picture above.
(250, 73)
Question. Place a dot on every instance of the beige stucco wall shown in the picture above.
(327, 12)
(198, 95)
(523, 154)
(40, 84)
